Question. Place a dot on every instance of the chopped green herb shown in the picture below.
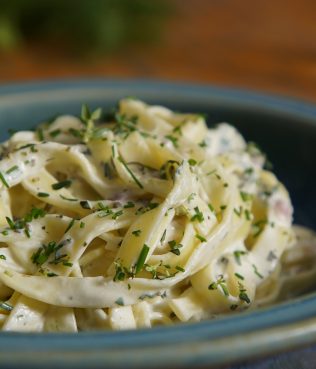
(175, 247)
(108, 171)
(42, 194)
(258, 227)
(198, 215)
(245, 196)
(129, 204)
(173, 139)
(137, 232)
(191, 196)
(51, 274)
(248, 171)
(223, 207)
(43, 253)
(256, 271)
(3, 257)
(120, 301)
(233, 307)
(247, 214)
(238, 254)
(82, 224)
(203, 144)
(192, 162)
(211, 172)
(117, 214)
(201, 238)
(61, 184)
(11, 223)
(119, 272)
(12, 169)
(238, 212)
(180, 269)
(239, 276)
(55, 133)
(144, 209)
(211, 207)
(70, 225)
(75, 132)
(130, 172)
(40, 134)
(243, 294)
(163, 237)
(219, 283)
(224, 289)
(141, 259)
(66, 263)
(3, 180)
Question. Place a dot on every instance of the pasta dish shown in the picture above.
(139, 217)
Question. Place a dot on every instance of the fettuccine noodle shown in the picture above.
(140, 218)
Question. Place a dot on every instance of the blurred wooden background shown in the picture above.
(259, 44)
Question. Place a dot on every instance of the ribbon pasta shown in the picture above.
(141, 218)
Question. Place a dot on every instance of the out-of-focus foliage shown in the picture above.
(86, 26)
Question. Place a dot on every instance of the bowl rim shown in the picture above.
(264, 330)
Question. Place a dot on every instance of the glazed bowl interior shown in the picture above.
(284, 129)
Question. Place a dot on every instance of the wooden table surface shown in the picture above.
(259, 44)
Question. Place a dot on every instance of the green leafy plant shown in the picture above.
(81, 25)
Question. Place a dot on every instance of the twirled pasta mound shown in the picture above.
(139, 217)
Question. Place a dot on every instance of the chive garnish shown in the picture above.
(163, 236)
(10, 223)
(245, 196)
(12, 169)
(40, 134)
(201, 238)
(3, 180)
(130, 172)
(237, 255)
(175, 247)
(120, 301)
(256, 271)
(42, 194)
(61, 184)
(243, 294)
(3, 257)
(173, 139)
(137, 232)
(117, 214)
(180, 269)
(192, 162)
(198, 215)
(239, 276)
(70, 225)
(55, 133)
(211, 207)
(141, 259)
(129, 204)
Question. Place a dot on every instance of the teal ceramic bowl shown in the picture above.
(285, 129)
